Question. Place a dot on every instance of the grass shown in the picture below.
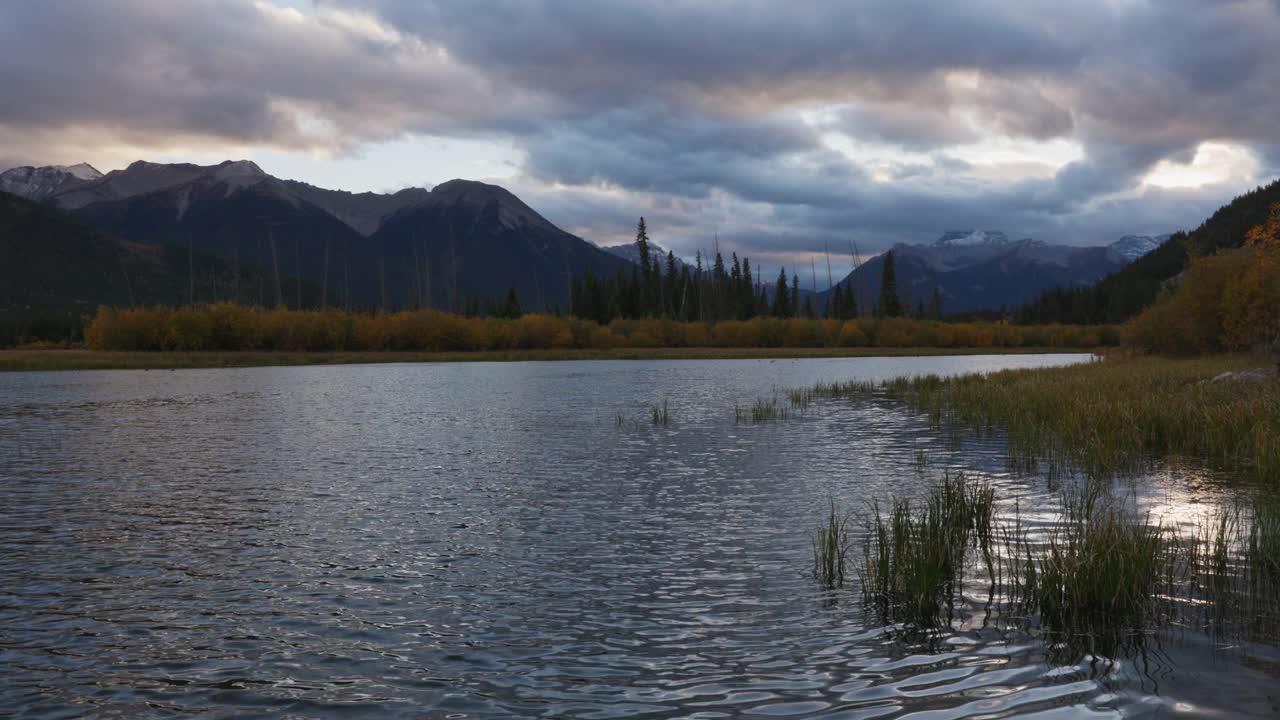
(1115, 417)
(80, 359)
(1099, 579)
(761, 411)
(801, 398)
(1097, 576)
(831, 549)
(660, 414)
(913, 561)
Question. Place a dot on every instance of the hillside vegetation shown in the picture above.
(1226, 301)
(1127, 292)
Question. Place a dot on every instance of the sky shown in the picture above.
(782, 129)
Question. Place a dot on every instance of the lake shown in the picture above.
(511, 539)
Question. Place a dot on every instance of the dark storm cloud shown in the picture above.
(703, 115)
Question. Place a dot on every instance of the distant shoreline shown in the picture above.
(38, 360)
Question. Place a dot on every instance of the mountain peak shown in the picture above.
(237, 168)
(957, 238)
(1132, 247)
(81, 171)
(512, 212)
(41, 183)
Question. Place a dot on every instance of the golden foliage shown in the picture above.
(1228, 301)
(225, 326)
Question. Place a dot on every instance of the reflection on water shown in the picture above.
(484, 540)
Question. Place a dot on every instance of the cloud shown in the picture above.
(786, 127)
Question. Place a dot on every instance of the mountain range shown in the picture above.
(975, 270)
(463, 241)
(457, 244)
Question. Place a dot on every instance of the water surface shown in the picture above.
(505, 539)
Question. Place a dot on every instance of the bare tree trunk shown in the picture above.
(191, 277)
(324, 284)
(297, 273)
(275, 265)
(453, 272)
(382, 282)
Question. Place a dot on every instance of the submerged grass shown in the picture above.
(913, 561)
(1116, 416)
(660, 414)
(761, 411)
(1099, 579)
(831, 549)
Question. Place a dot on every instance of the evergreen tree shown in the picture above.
(935, 305)
(781, 298)
(718, 282)
(890, 304)
(511, 305)
(646, 268)
(673, 281)
(795, 295)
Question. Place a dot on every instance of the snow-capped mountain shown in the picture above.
(1132, 247)
(631, 251)
(957, 238)
(984, 270)
(79, 187)
(40, 183)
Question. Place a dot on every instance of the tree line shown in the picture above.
(230, 327)
(715, 291)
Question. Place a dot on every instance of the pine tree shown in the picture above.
(511, 305)
(935, 305)
(673, 280)
(748, 293)
(781, 298)
(890, 304)
(646, 269)
(795, 295)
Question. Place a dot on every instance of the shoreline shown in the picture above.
(36, 360)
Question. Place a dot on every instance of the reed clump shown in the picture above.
(660, 415)
(1098, 575)
(1098, 579)
(831, 549)
(913, 561)
(761, 411)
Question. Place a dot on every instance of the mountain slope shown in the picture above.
(41, 183)
(249, 219)
(364, 212)
(51, 262)
(472, 240)
(78, 186)
(1132, 247)
(980, 271)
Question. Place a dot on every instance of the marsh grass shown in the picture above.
(1114, 417)
(660, 415)
(913, 561)
(831, 549)
(1099, 576)
(1100, 579)
(761, 411)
